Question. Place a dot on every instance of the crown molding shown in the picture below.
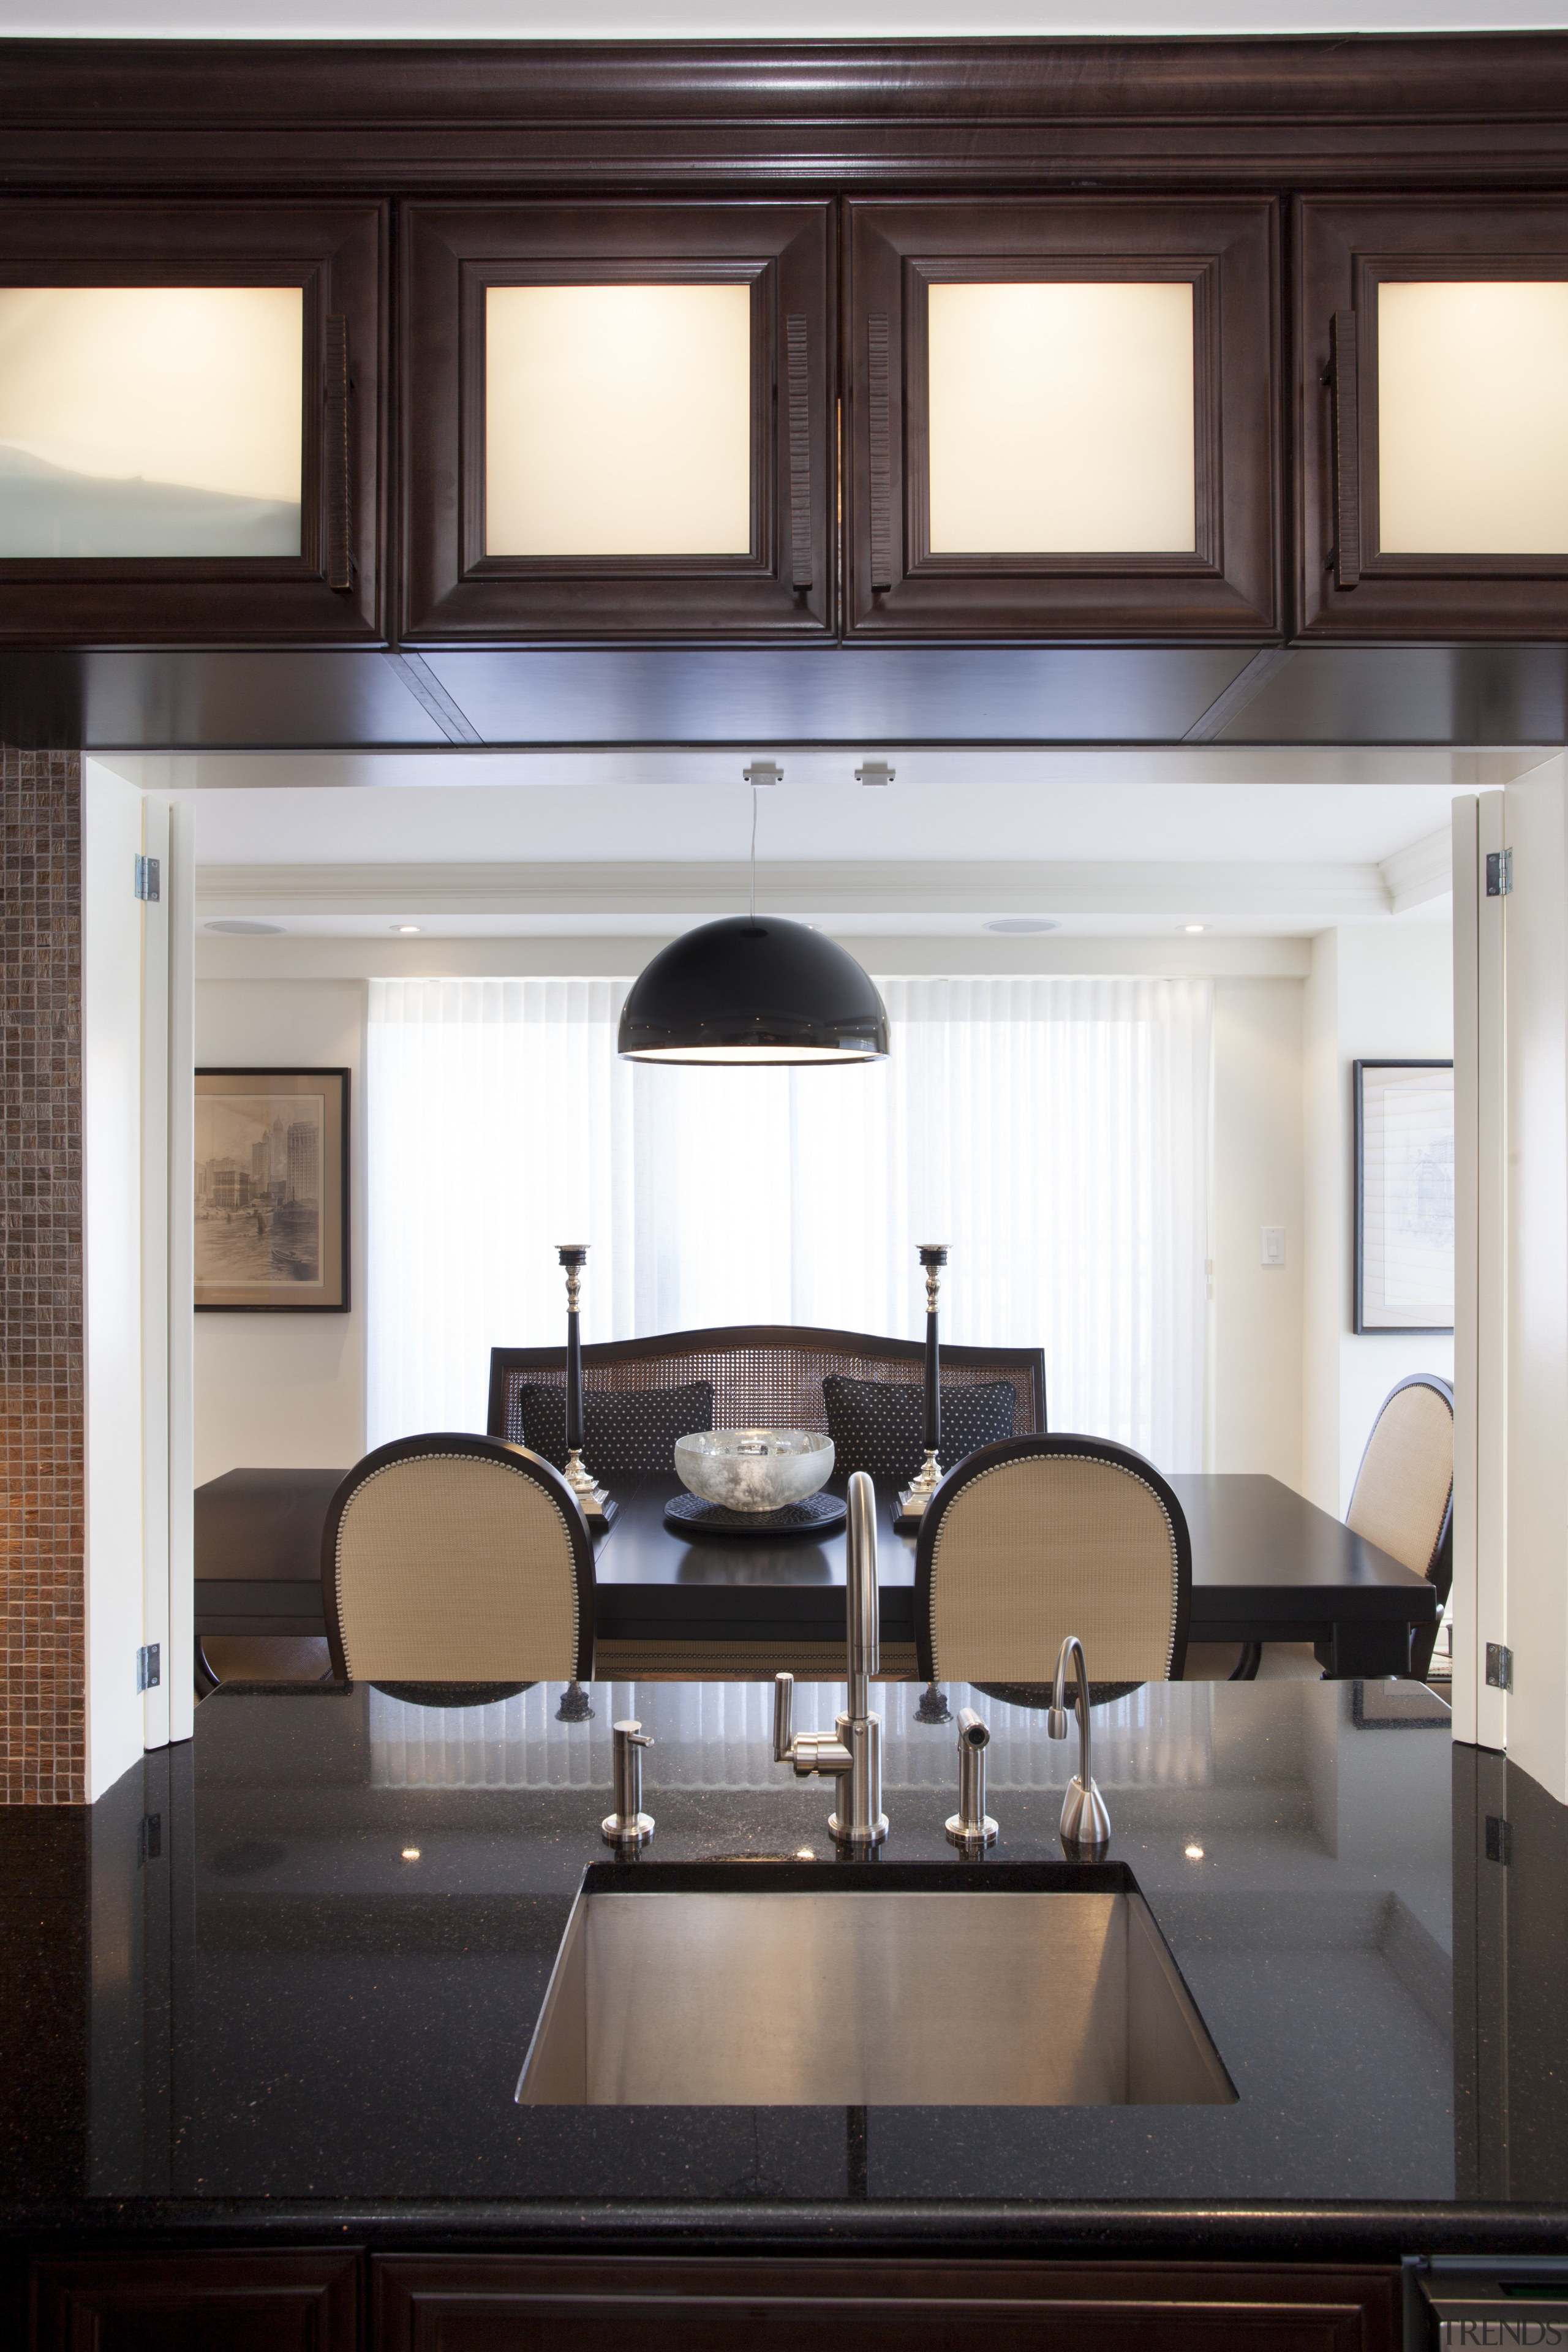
(1415, 876)
(1283, 892)
(311, 959)
(1377, 110)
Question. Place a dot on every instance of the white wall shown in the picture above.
(1256, 1329)
(284, 1388)
(1372, 993)
(291, 1388)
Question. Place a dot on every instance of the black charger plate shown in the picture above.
(819, 1514)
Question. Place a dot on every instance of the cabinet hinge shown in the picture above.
(149, 1671)
(1500, 873)
(1500, 1667)
(147, 878)
(1499, 1840)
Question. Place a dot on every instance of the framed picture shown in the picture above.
(272, 1191)
(1404, 1196)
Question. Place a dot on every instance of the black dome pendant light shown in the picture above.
(754, 989)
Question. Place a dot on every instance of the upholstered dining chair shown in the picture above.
(1032, 1538)
(1403, 1500)
(454, 1568)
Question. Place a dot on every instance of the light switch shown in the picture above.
(1273, 1244)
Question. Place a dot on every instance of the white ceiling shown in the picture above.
(819, 821)
(1118, 844)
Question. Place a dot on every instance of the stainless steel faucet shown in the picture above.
(852, 1751)
(972, 1827)
(628, 1828)
(1086, 1824)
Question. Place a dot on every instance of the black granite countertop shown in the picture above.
(292, 1969)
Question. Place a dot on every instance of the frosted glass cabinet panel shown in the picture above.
(619, 420)
(192, 421)
(150, 420)
(1433, 495)
(1061, 419)
(1472, 449)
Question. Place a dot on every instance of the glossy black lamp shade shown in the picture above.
(754, 989)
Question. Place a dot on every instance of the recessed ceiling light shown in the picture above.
(1022, 927)
(1194, 927)
(234, 927)
(410, 1854)
(408, 927)
(1194, 1853)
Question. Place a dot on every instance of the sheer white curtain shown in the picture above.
(1054, 1132)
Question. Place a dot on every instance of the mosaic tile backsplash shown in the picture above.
(41, 1411)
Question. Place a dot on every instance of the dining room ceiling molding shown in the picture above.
(315, 956)
(1267, 894)
(1421, 872)
(1380, 110)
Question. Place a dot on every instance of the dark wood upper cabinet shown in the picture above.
(1432, 493)
(1062, 419)
(192, 423)
(617, 422)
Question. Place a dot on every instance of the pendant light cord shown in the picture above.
(753, 876)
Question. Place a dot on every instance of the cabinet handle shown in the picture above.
(799, 451)
(881, 459)
(336, 473)
(1345, 389)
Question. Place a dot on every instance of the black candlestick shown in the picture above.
(928, 1477)
(594, 1503)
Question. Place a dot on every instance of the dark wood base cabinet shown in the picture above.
(492, 2303)
(262, 2302)
(305, 2301)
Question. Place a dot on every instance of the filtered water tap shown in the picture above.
(1086, 1824)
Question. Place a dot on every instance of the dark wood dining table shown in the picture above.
(1268, 1566)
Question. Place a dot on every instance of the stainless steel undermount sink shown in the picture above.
(868, 1984)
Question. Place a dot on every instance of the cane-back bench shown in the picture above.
(764, 1376)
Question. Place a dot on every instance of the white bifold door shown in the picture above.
(1511, 1072)
(137, 1156)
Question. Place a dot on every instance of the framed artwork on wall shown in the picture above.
(272, 1192)
(1404, 1196)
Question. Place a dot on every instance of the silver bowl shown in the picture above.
(753, 1469)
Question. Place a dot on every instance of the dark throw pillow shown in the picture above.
(624, 1431)
(876, 1425)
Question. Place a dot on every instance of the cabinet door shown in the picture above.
(1432, 494)
(617, 421)
(259, 2302)
(190, 424)
(1063, 419)
(599, 2303)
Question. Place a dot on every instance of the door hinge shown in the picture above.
(1500, 873)
(147, 878)
(149, 1671)
(1500, 1667)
